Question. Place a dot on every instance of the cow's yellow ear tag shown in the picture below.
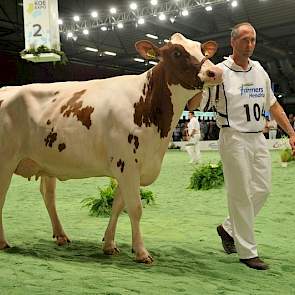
(151, 53)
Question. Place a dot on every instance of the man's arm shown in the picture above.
(279, 115)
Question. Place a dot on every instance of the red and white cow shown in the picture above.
(118, 127)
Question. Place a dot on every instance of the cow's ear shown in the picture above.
(209, 48)
(147, 49)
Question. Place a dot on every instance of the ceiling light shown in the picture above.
(76, 18)
(152, 36)
(151, 62)
(133, 6)
(60, 22)
(70, 35)
(138, 59)
(162, 16)
(85, 31)
(91, 49)
(208, 8)
(113, 10)
(154, 2)
(120, 25)
(234, 3)
(280, 95)
(184, 12)
(166, 40)
(94, 14)
(172, 19)
(140, 21)
(110, 53)
(104, 28)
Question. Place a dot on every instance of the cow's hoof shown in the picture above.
(146, 259)
(61, 240)
(4, 245)
(111, 251)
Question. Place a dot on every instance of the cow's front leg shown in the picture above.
(47, 189)
(131, 195)
(109, 245)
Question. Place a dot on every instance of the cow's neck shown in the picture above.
(155, 106)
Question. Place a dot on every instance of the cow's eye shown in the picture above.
(177, 53)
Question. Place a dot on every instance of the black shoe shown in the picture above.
(227, 241)
(255, 263)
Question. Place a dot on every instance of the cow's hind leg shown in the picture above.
(5, 178)
(47, 189)
(109, 246)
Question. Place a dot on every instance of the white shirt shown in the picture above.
(193, 124)
(242, 99)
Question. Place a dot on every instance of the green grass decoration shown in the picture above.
(286, 155)
(207, 176)
(102, 206)
(44, 49)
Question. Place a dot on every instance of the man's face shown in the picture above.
(190, 115)
(244, 44)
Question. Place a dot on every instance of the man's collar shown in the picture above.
(230, 63)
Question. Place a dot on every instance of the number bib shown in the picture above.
(243, 98)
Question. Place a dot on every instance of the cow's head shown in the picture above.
(186, 61)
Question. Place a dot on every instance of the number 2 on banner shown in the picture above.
(37, 28)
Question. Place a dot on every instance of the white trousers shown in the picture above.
(247, 173)
(193, 148)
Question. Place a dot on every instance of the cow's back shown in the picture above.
(67, 126)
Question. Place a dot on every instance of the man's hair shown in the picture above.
(235, 30)
(192, 113)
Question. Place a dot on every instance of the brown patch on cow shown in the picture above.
(122, 167)
(48, 122)
(74, 107)
(121, 164)
(1, 102)
(61, 146)
(130, 137)
(56, 93)
(144, 88)
(136, 160)
(181, 70)
(53, 100)
(177, 67)
(136, 142)
(51, 138)
(156, 108)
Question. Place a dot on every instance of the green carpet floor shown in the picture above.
(179, 231)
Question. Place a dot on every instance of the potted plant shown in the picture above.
(286, 156)
(44, 54)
